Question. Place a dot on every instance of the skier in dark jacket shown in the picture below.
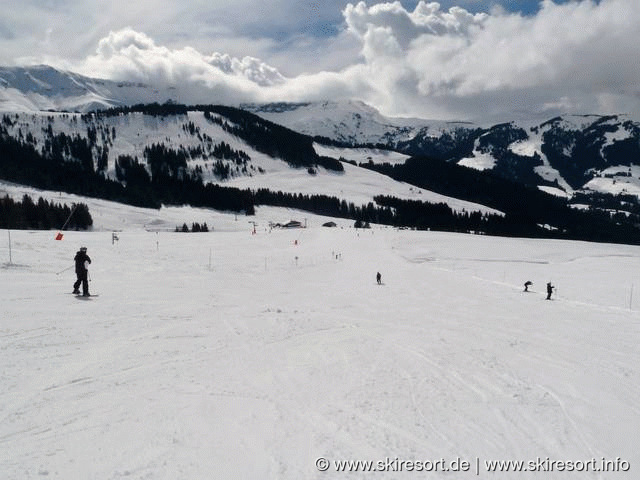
(549, 290)
(379, 278)
(82, 259)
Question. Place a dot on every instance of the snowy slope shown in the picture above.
(478, 159)
(130, 134)
(114, 217)
(232, 355)
(361, 155)
(357, 185)
(617, 180)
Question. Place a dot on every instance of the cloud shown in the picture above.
(577, 57)
(251, 68)
(405, 26)
(128, 55)
(133, 56)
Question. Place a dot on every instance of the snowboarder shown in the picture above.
(82, 261)
(549, 290)
(379, 278)
(527, 284)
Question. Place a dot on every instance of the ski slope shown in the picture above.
(251, 356)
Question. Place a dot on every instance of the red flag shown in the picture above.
(59, 236)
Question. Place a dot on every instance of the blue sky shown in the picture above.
(462, 59)
(526, 7)
(325, 18)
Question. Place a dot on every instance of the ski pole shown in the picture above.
(62, 271)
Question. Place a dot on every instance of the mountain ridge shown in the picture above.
(588, 159)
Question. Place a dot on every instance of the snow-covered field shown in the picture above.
(361, 155)
(229, 355)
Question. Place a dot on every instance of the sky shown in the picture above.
(457, 59)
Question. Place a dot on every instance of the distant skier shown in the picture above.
(82, 261)
(549, 290)
(527, 284)
(379, 278)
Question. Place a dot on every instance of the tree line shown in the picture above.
(195, 228)
(42, 215)
(528, 211)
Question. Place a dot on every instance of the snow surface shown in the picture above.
(479, 160)
(355, 184)
(231, 355)
(361, 155)
(351, 121)
(621, 179)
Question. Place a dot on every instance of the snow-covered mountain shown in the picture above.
(574, 157)
(42, 87)
(26, 89)
(217, 155)
(561, 156)
(564, 155)
(351, 122)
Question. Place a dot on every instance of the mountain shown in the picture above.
(335, 158)
(144, 156)
(42, 87)
(348, 122)
(566, 154)
(562, 156)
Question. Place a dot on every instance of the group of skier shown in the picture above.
(550, 288)
(82, 262)
(527, 284)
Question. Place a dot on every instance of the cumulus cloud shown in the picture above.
(130, 55)
(251, 68)
(194, 77)
(579, 57)
(405, 26)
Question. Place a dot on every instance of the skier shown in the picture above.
(379, 278)
(549, 290)
(82, 261)
(527, 284)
